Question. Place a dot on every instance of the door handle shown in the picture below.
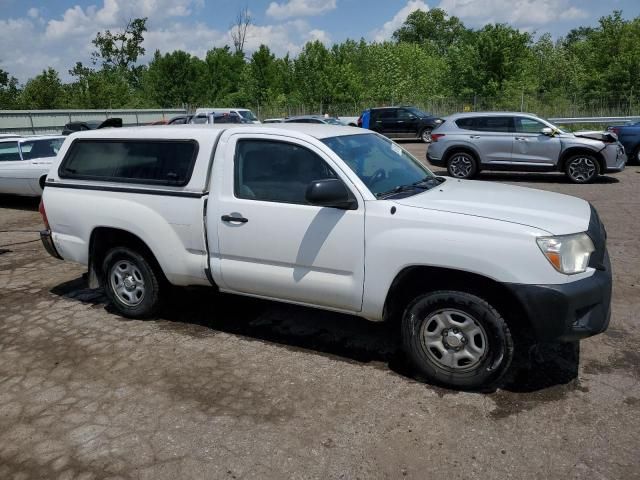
(474, 136)
(521, 139)
(229, 218)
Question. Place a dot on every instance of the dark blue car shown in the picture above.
(629, 136)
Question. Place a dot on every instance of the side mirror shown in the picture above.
(548, 131)
(330, 192)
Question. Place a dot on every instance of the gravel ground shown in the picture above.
(225, 387)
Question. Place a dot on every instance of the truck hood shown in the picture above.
(554, 213)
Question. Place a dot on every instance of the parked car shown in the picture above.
(400, 122)
(313, 119)
(180, 120)
(81, 126)
(24, 163)
(467, 143)
(279, 212)
(244, 113)
(350, 121)
(629, 137)
(210, 117)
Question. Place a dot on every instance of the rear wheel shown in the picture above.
(582, 168)
(457, 339)
(131, 283)
(462, 165)
(425, 135)
(635, 158)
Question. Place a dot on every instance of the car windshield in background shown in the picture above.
(41, 148)
(384, 167)
(247, 115)
(333, 121)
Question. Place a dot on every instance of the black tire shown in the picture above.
(462, 165)
(425, 135)
(582, 168)
(139, 306)
(488, 332)
(634, 159)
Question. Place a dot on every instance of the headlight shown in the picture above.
(439, 120)
(568, 254)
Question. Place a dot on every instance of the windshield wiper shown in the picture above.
(425, 184)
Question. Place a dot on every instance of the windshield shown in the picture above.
(418, 113)
(248, 115)
(381, 164)
(333, 121)
(40, 148)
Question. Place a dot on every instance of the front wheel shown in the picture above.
(635, 157)
(462, 165)
(425, 135)
(131, 283)
(582, 168)
(457, 339)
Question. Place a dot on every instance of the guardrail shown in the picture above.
(569, 120)
(53, 121)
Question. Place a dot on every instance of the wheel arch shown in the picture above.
(102, 239)
(571, 151)
(414, 280)
(461, 148)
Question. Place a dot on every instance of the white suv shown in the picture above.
(336, 218)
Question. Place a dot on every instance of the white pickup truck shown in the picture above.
(338, 218)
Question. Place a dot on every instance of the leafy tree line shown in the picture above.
(432, 56)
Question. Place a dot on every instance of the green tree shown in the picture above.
(433, 28)
(44, 91)
(171, 79)
(9, 91)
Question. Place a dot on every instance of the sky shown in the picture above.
(36, 34)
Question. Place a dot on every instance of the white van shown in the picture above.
(243, 112)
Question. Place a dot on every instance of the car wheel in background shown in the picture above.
(635, 158)
(457, 339)
(582, 168)
(131, 283)
(462, 165)
(425, 135)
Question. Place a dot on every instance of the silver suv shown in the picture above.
(466, 143)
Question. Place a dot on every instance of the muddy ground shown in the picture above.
(225, 387)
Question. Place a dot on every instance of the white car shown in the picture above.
(25, 162)
(245, 113)
(336, 218)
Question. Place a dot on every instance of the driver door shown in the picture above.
(270, 241)
(533, 147)
(14, 171)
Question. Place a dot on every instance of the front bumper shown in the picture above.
(47, 242)
(569, 311)
(621, 162)
(615, 161)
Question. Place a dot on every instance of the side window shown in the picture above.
(41, 148)
(528, 125)
(493, 124)
(9, 151)
(276, 171)
(405, 115)
(466, 123)
(154, 162)
(387, 115)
